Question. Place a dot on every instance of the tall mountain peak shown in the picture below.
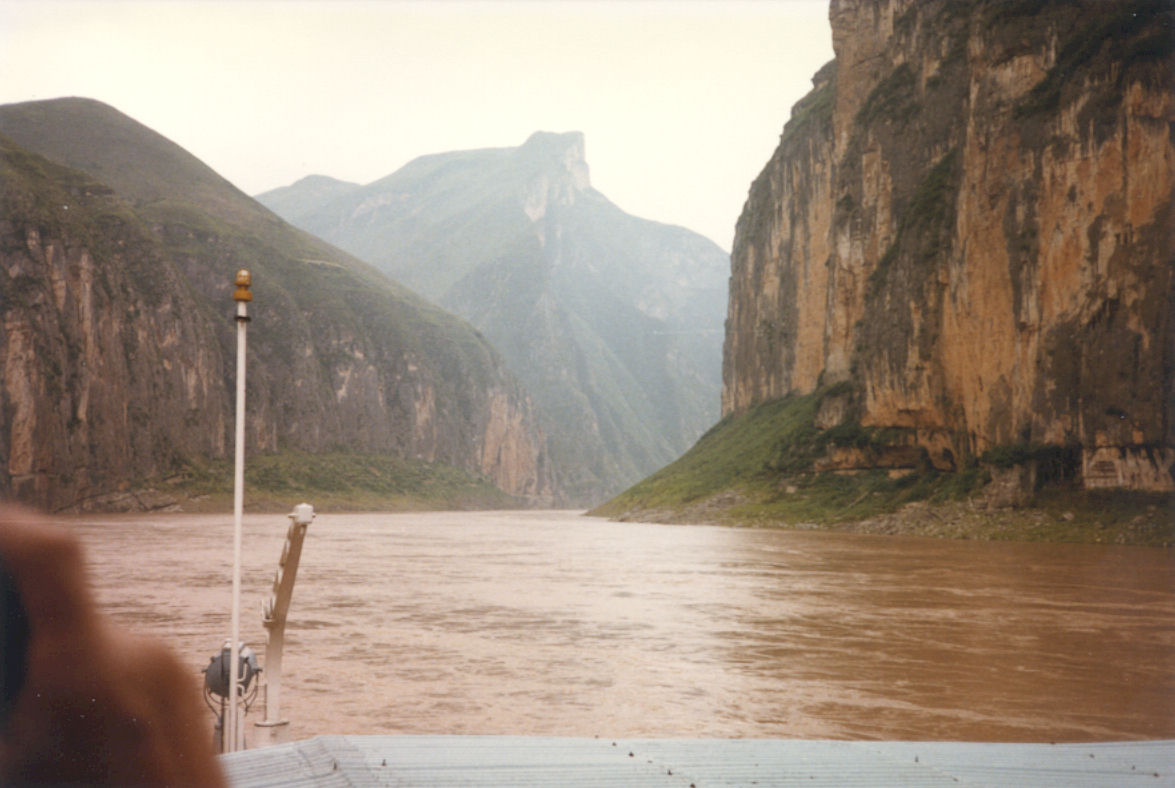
(555, 142)
(565, 152)
(610, 321)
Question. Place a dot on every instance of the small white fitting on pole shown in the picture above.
(233, 729)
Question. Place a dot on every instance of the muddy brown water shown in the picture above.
(552, 623)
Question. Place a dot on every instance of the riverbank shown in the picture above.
(776, 466)
(1119, 518)
(336, 482)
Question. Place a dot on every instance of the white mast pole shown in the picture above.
(232, 725)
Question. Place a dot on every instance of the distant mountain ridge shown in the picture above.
(117, 250)
(306, 195)
(613, 323)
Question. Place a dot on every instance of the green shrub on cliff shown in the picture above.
(1119, 29)
(893, 99)
(815, 109)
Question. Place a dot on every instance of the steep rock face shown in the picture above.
(612, 322)
(117, 349)
(970, 219)
(74, 348)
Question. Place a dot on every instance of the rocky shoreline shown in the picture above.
(964, 520)
(1149, 524)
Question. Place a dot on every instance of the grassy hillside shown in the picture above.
(755, 470)
(160, 181)
(141, 165)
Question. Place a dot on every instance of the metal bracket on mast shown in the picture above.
(276, 607)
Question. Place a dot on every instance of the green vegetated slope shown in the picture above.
(118, 253)
(758, 469)
(333, 481)
(613, 323)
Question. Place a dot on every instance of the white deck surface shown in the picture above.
(523, 761)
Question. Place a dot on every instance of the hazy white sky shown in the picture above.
(681, 103)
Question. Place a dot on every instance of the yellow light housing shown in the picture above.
(243, 282)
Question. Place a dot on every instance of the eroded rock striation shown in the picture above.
(968, 227)
(117, 349)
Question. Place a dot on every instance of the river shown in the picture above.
(552, 623)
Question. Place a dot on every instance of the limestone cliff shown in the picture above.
(117, 349)
(968, 225)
